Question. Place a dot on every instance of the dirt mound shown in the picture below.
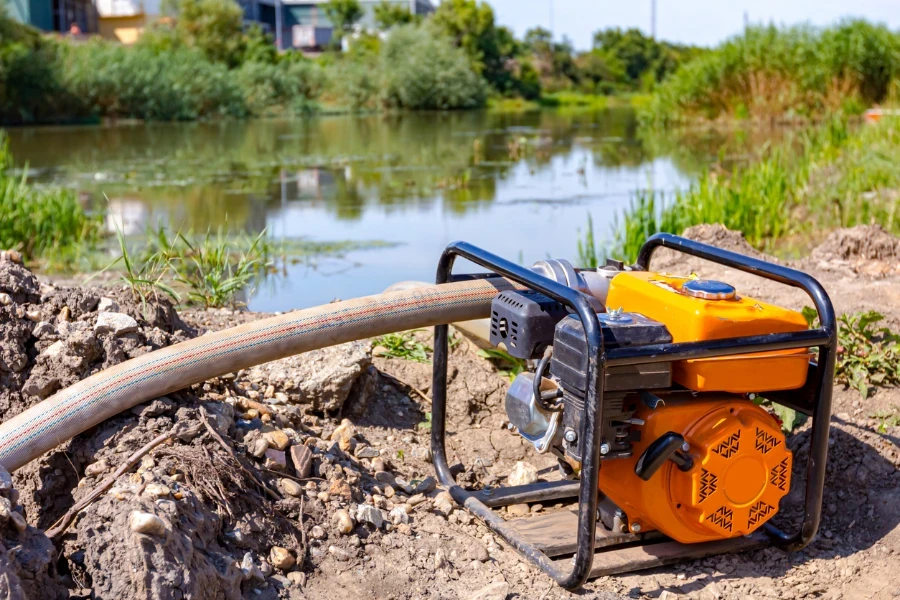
(870, 242)
(713, 234)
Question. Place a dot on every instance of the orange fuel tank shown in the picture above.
(695, 310)
(741, 470)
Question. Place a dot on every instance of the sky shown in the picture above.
(701, 22)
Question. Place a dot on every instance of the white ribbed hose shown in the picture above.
(99, 397)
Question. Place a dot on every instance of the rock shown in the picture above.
(426, 486)
(251, 571)
(298, 578)
(478, 552)
(54, 349)
(96, 468)
(399, 515)
(107, 305)
(378, 464)
(291, 488)
(258, 447)
(12, 256)
(667, 595)
(366, 513)
(277, 439)
(65, 315)
(518, 510)
(117, 323)
(522, 474)
(385, 477)
(5, 299)
(281, 558)
(317, 533)
(340, 553)
(421, 452)
(157, 490)
(6, 482)
(340, 487)
(343, 522)
(497, 590)
(344, 434)
(33, 315)
(323, 378)
(275, 460)
(43, 329)
(364, 451)
(416, 499)
(147, 523)
(302, 457)
(440, 560)
(443, 503)
(18, 521)
(6, 510)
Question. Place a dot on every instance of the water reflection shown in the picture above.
(521, 185)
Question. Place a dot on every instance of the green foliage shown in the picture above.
(342, 14)
(771, 72)
(887, 419)
(286, 86)
(587, 247)
(216, 268)
(41, 222)
(444, 81)
(355, 82)
(215, 27)
(112, 80)
(390, 14)
(402, 345)
(868, 355)
(509, 366)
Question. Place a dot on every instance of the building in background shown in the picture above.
(76, 16)
(125, 20)
(303, 23)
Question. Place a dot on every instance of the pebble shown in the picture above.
(388, 491)
(18, 521)
(147, 523)
(366, 513)
(34, 315)
(280, 398)
(497, 590)
(340, 553)
(12, 256)
(440, 560)
(157, 489)
(317, 533)
(364, 451)
(399, 515)
(298, 578)
(65, 315)
(477, 552)
(277, 439)
(444, 504)
(281, 558)
(258, 447)
(117, 323)
(343, 522)
(5, 299)
(344, 434)
(302, 458)
(96, 468)
(378, 465)
(291, 488)
(385, 477)
(107, 305)
(275, 460)
(522, 474)
(517, 510)
(416, 499)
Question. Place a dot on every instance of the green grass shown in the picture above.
(41, 222)
(509, 366)
(826, 176)
(771, 73)
(402, 345)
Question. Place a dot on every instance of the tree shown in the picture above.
(342, 14)
(390, 14)
(491, 50)
(213, 26)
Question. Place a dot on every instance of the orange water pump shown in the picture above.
(652, 390)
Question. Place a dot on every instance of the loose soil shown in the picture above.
(219, 495)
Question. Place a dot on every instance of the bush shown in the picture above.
(770, 72)
(425, 71)
(115, 81)
(286, 86)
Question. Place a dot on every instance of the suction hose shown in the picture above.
(103, 395)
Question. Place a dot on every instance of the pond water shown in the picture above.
(390, 192)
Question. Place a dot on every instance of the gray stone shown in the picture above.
(364, 451)
(43, 329)
(107, 305)
(323, 378)
(497, 590)
(117, 323)
(366, 513)
(426, 486)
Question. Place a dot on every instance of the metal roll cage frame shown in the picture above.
(814, 398)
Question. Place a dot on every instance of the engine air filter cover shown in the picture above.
(743, 472)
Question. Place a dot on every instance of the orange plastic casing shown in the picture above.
(741, 471)
(689, 319)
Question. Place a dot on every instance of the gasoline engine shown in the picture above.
(685, 448)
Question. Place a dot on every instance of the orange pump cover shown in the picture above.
(741, 470)
(689, 319)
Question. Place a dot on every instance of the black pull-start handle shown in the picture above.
(666, 447)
